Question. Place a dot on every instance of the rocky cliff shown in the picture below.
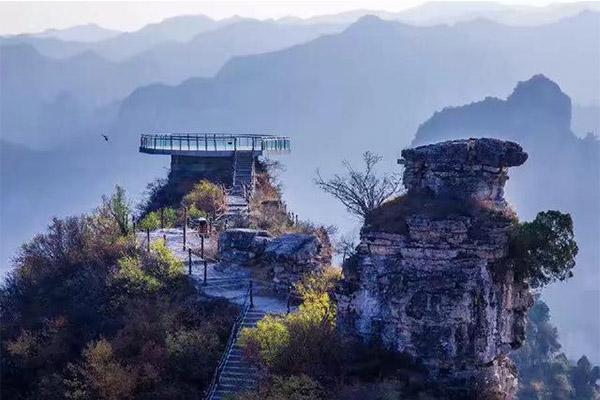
(427, 278)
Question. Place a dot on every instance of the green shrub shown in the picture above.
(165, 264)
(207, 197)
(151, 221)
(193, 353)
(170, 217)
(193, 212)
(132, 279)
(303, 342)
(544, 250)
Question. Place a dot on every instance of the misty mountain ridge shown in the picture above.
(79, 33)
(70, 89)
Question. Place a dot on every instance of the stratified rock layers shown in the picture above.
(437, 290)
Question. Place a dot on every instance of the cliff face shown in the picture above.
(436, 288)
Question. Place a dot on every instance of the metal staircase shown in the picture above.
(243, 173)
(237, 374)
(243, 184)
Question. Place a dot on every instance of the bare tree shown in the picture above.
(361, 191)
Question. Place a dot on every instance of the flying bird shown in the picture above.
(104, 136)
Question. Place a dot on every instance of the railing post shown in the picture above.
(184, 226)
(148, 239)
(251, 295)
(190, 261)
(202, 246)
(205, 142)
(215, 141)
(205, 268)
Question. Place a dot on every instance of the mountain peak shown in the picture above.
(541, 95)
(536, 107)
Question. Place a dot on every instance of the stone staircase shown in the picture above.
(237, 375)
(226, 282)
(243, 171)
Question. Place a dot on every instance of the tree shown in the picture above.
(207, 197)
(151, 221)
(361, 191)
(544, 250)
(118, 207)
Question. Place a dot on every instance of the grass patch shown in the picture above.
(391, 216)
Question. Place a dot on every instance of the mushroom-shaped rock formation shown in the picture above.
(435, 286)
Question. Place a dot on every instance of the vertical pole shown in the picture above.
(162, 218)
(296, 219)
(215, 141)
(190, 261)
(184, 225)
(205, 268)
(165, 238)
(251, 295)
(148, 239)
(202, 246)
(205, 142)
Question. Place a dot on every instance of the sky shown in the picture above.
(28, 17)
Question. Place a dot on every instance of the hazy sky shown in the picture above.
(20, 17)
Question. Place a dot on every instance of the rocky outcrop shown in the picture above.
(436, 289)
(293, 255)
(285, 259)
(241, 246)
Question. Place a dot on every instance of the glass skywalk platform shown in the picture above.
(212, 144)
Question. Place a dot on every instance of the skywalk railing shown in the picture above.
(213, 142)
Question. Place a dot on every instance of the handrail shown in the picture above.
(230, 342)
(204, 142)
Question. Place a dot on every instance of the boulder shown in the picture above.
(241, 246)
(292, 255)
(284, 259)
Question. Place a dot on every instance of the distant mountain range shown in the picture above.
(79, 33)
(59, 95)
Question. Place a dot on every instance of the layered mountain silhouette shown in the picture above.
(562, 173)
(59, 95)
(79, 33)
